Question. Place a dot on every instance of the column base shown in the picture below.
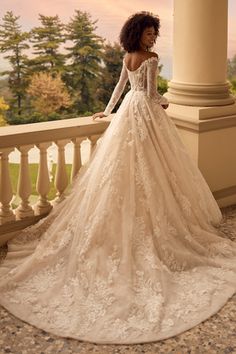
(22, 213)
(4, 219)
(40, 209)
(225, 197)
(205, 95)
(209, 135)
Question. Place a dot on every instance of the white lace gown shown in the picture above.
(134, 253)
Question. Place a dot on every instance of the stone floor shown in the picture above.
(217, 335)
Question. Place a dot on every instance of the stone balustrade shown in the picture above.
(40, 135)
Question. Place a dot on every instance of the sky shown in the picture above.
(111, 15)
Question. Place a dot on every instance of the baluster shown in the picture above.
(24, 184)
(43, 206)
(6, 194)
(93, 139)
(61, 179)
(76, 157)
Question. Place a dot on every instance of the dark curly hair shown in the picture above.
(133, 28)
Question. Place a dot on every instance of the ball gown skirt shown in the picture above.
(134, 253)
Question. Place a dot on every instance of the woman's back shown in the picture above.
(135, 59)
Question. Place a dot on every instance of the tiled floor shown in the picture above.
(215, 335)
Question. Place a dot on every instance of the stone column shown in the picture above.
(200, 101)
(76, 157)
(6, 194)
(61, 178)
(43, 206)
(200, 54)
(24, 186)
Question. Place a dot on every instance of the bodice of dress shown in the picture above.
(142, 79)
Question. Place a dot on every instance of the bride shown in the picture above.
(134, 253)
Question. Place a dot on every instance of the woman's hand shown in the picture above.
(99, 115)
(165, 106)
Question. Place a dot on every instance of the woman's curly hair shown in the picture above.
(133, 28)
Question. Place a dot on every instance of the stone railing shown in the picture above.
(40, 135)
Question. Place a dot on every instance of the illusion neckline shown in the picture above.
(144, 61)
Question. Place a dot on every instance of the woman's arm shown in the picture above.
(152, 70)
(118, 90)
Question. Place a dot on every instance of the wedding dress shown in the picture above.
(134, 253)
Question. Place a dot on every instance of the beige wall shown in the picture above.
(215, 154)
(214, 151)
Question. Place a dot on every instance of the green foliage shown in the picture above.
(54, 116)
(3, 107)
(162, 85)
(89, 68)
(233, 86)
(110, 72)
(4, 89)
(232, 74)
(84, 55)
(232, 68)
(47, 40)
(34, 117)
(13, 42)
(26, 118)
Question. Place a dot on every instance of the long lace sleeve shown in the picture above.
(152, 71)
(117, 91)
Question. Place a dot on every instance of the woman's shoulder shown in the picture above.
(145, 55)
(152, 55)
(152, 58)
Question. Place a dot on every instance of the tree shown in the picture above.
(14, 42)
(232, 67)
(233, 86)
(232, 74)
(4, 89)
(112, 59)
(47, 40)
(3, 107)
(84, 57)
(162, 83)
(48, 93)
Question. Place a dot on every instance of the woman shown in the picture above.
(134, 253)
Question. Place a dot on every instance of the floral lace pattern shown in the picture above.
(144, 80)
(134, 253)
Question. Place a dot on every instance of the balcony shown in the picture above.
(40, 136)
